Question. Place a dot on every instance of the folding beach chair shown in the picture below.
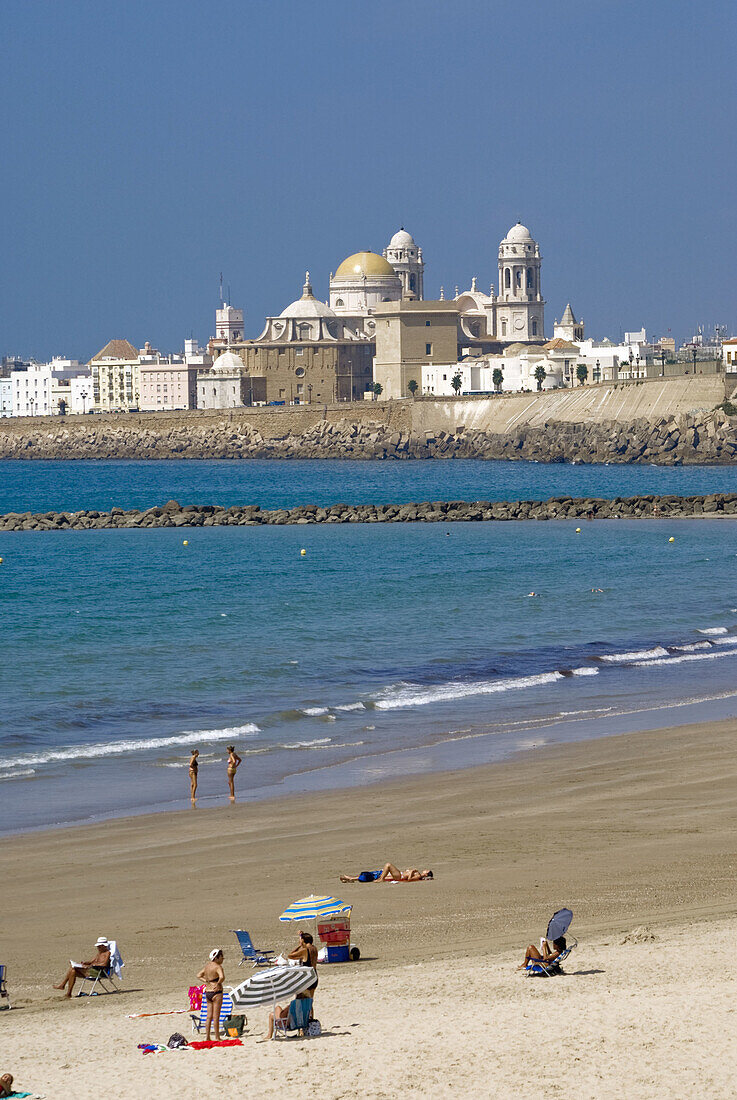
(542, 969)
(256, 957)
(298, 1018)
(199, 1019)
(4, 995)
(103, 980)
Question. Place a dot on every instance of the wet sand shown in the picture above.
(633, 830)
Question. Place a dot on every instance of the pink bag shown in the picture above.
(195, 997)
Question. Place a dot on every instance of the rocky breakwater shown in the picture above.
(704, 438)
(174, 514)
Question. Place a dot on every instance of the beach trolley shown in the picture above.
(333, 921)
(335, 933)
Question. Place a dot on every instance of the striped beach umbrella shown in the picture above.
(279, 983)
(313, 907)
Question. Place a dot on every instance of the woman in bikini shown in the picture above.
(193, 766)
(234, 762)
(213, 976)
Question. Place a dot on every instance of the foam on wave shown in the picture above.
(409, 695)
(639, 654)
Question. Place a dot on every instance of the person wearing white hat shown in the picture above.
(101, 961)
(213, 975)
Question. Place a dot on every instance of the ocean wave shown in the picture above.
(351, 706)
(639, 654)
(314, 712)
(713, 630)
(586, 670)
(690, 648)
(120, 748)
(408, 695)
(710, 656)
(731, 639)
(22, 774)
(307, 744)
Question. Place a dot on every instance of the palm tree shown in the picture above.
(540, 375)
(582, 373)
(378, 389)
(412, 386)
(457, 382)
(497, 377)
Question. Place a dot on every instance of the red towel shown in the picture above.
(205, 1044)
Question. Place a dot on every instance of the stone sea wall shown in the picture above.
(670, 441)
(173, 514)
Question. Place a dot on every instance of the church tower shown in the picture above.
(520, 309)
(406, 259)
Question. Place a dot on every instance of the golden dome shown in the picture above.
(364, 263)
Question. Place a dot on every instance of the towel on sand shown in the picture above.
(205, 1044)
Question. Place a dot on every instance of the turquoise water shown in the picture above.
(384, 650)
(43, 486)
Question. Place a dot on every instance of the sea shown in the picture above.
(383, 651)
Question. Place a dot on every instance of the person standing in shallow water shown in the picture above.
(234, 762)
(193, 768)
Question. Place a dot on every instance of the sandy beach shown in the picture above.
(629, 831)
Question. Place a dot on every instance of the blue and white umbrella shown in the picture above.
(558, 924)
(314, 907)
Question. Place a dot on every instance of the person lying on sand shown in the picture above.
(532, 953)
(6, 1084)
(389, 873)
(101, 961)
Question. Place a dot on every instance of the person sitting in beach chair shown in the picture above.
(3, 987)
(389, 873)
(548, 958)
(94, 969)
(294, 1018)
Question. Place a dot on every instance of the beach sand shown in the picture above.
(629, 831)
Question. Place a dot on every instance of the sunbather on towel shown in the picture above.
(6, 1084)
(213, 976)
(389, 873)
(101, 961)
(548, 956)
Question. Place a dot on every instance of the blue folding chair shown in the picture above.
(256, 956)
(3, 987)
(199, 1020)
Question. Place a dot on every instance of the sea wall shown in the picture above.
(668, 422)
(173, 514)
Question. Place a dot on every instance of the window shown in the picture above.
(518, 278)
(412, 282)
(507, 278)
(534, 328)
(300, 387)
(339, 301)
(428, 349)
(299, 351)
(427, 324)
(529, 278)
(504, 328)
(300, 372)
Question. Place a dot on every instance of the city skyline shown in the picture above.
(152, 147)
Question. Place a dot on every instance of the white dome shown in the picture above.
(228, 360)
(519, 232)
(402, 239)
(307, 306)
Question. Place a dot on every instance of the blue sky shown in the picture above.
(147, 147)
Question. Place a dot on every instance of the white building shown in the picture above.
(520, 308)
(518, 366)
(48, 389)
(6, 397)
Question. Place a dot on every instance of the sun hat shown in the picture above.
(102, 941)
(215, 952)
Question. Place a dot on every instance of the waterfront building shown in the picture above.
(519, 307)
(115, 377)
(6, 396)
(568, 328)
(729, 355)
(46, 389)
(412, 336)
(169, 382)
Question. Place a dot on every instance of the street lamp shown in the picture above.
(31, 403)
(309, 392)
(662, 363)
(693, 356)
(83, 395)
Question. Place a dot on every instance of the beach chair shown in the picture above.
(298, 1018)
(103, 980)
(4, 995)
(199, 1019)
(539, 968)
(256, 957)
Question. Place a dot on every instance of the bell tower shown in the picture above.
(520, 308)
(406, 259)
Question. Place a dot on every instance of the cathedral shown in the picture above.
(324, 351)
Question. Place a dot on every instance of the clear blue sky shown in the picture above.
(148, 146)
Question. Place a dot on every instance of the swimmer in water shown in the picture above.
(234, 762)
(532, 594)
(193, 768)
(597, 589)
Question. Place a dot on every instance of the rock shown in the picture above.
(641, 934)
